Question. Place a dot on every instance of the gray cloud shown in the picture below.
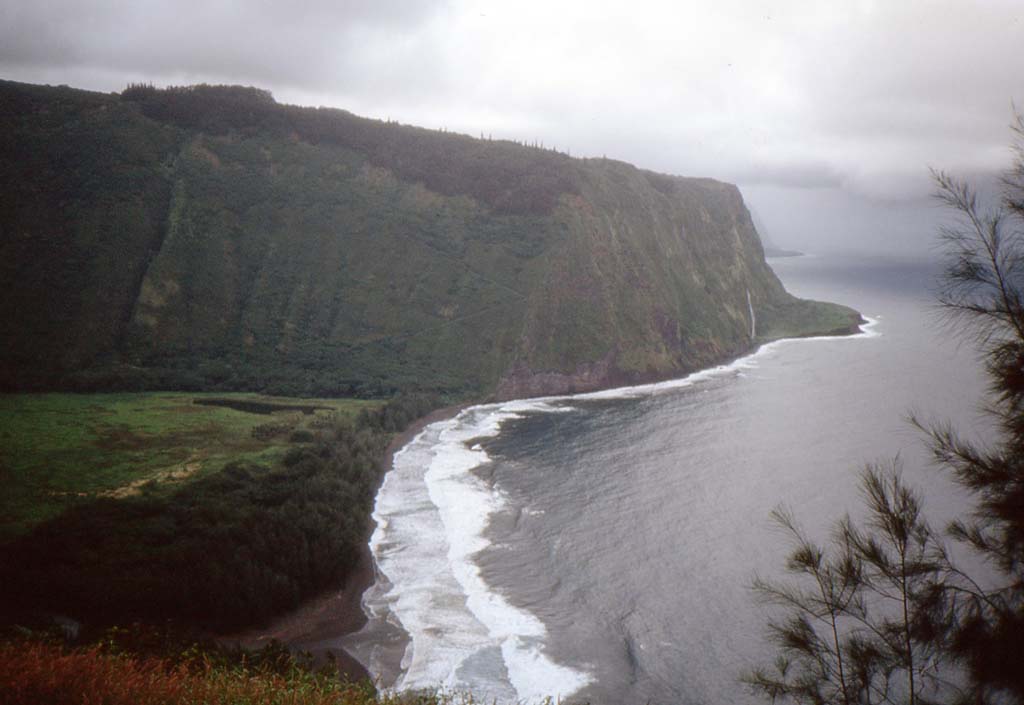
(303, 45)
(809, 175)
(844, 97)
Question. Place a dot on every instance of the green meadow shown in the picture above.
(60, 449)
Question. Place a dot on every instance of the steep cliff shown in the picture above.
(210, 238)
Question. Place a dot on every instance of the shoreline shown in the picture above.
(338, 612)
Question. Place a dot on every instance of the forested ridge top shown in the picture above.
(501, 174)
(207, 237)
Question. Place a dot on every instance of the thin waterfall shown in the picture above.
(753, 318)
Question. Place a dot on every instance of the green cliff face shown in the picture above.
(211, 238)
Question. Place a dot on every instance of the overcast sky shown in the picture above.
(827, 114)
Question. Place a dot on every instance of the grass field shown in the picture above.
(57, 449)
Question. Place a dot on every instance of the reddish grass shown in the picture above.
(33, 673)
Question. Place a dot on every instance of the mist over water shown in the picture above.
(601, 546)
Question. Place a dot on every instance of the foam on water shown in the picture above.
(431, 514)
(867, 330)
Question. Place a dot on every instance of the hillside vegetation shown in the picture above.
(61, 450)
(226, 548)
(208, 238)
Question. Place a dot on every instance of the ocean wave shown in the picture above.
(431, 514)
(749, 361)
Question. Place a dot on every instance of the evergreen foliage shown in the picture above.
(883, 614)
(854, 629)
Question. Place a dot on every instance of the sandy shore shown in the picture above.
(338, 611)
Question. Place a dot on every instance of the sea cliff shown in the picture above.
(210, 238)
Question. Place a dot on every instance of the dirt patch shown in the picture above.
(178, 473)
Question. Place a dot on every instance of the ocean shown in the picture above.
(600, 547)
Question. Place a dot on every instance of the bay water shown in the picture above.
(600, 548)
